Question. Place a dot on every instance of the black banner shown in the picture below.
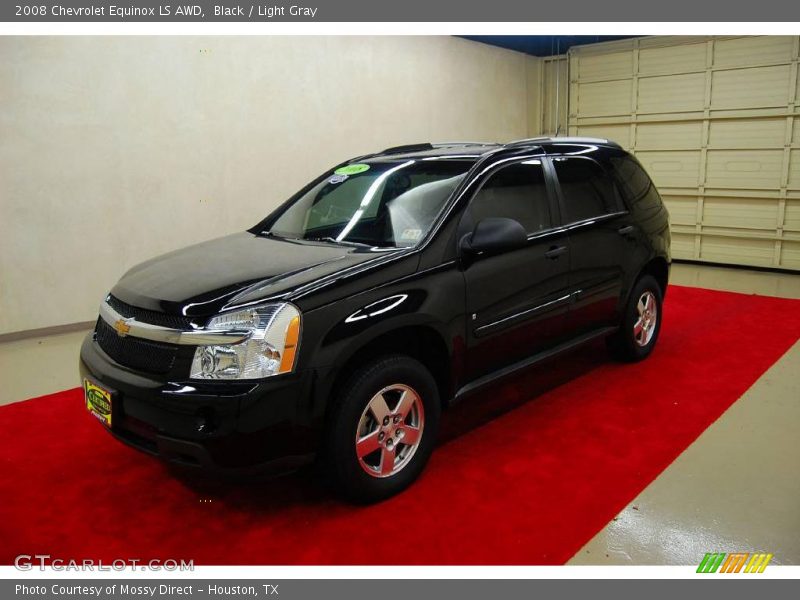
(399, 589)
(398, 11)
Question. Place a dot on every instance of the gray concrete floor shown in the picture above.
(22, 362)
(744, 281)
(736, 488)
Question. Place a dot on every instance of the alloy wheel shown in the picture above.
(389, 430)
(645, 325)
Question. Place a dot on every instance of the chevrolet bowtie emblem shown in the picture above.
(122, 327)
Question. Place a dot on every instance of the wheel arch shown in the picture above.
(420, 342)
(658, 268)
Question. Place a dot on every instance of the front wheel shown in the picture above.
(641, 322)
(382, 429)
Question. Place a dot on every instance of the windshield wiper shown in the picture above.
(342, 242)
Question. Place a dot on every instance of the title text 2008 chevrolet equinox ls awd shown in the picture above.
(385, 290)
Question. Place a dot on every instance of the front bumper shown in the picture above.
(237, 426)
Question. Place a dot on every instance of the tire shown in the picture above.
(632, 343)
(385, 463)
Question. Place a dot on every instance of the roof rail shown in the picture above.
(408, 148)
(564, 139)
(457, 143)
(422, 146)
(528, 141)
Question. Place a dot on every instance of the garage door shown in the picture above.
(716, 122)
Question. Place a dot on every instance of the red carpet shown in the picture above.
(529, 487)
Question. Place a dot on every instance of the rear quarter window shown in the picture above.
(635, 183)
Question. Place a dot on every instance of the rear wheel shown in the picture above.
(641, 322)
(383, 428)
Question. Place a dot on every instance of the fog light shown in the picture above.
(206, 420)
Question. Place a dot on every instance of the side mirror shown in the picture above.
(495, 235)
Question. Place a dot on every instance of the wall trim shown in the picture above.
(739, 267)
(15, 336)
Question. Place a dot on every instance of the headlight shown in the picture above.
(270, 349)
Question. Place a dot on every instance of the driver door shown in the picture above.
(516, 301)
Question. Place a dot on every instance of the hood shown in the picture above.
(200, 280)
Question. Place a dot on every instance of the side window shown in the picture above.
(587, 190)
(635, 183)
(515, 192)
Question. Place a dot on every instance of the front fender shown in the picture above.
(335, 333)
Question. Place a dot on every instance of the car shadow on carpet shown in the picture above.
(265, 494)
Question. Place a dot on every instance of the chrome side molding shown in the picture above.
(129, 326)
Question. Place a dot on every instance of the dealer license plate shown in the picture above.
(98, 401)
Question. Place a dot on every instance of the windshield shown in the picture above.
(385, 204)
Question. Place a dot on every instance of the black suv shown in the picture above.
(384, 291)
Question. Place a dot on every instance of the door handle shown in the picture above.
(555, 251)
(627, 230)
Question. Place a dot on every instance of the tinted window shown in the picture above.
(516, 192)
(588, 192)
(635, 183)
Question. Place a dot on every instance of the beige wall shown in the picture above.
(116, 149)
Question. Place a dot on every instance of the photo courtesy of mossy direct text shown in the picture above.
(60, 589)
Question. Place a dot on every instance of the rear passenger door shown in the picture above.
(600, 236)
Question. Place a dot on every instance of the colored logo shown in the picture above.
(98, 401)
(122, 327)
(351, 169)
(736, 562)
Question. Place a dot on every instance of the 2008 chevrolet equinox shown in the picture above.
(382, 292)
